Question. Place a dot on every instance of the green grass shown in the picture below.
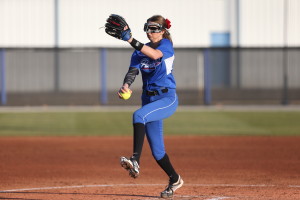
(119, 123)
(235, 123)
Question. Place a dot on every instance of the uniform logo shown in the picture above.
(149, 65)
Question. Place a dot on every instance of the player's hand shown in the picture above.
(124, 89)
(126, 34)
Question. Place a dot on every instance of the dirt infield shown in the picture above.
(213, 168)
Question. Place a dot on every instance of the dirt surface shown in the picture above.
(213, 168)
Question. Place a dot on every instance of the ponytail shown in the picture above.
(166, 24)
(167, 35)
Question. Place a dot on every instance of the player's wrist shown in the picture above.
(125, 85)
(130, 40)
(136, 44)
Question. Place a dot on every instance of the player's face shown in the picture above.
(154, 31)
(155, 37)
(154, 34)
(152, 27)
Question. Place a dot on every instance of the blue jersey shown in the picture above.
(156, 74)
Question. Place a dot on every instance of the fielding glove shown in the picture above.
(117, 27)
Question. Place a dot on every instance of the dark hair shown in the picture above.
(162, 21)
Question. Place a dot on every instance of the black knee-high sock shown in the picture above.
(166, 165)
(138, 140)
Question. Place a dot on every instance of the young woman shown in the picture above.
(159, 100)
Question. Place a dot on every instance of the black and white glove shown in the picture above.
(117, 27)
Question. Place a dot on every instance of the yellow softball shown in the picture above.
(126, 95)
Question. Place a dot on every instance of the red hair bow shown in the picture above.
(168, 24)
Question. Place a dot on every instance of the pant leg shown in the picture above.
(152, 112)
(157, 110)
(154, 133)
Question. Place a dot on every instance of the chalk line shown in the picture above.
(218, 198)
(129, 185)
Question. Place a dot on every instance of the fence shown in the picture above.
(92, 76)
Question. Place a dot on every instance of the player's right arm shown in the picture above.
(128, 80)
(130, 76)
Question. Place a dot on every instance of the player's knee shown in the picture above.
(158, 155)
(138, 117)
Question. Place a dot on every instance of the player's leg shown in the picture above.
(159, 109)
(139, 131)
(154, 132)
(153, 111)
(132, 164)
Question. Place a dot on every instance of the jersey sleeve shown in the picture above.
(166, 48)
(135, 61)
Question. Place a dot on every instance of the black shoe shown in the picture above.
(131, 166)
(170, 189)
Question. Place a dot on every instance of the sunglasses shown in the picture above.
(152, 27)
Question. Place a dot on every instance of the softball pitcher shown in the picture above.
(159, 99)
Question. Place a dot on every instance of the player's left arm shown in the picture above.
(148, 51)
(117, 27)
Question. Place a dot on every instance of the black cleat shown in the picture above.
(131, 166)
(170, 189)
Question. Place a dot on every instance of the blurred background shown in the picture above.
(54, 52)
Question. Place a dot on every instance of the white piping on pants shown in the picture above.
(160, 108)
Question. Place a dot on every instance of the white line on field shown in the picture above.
(70, 187)
(135, 185)
(209, 198)
(218, 198)
(237, 185)
(296, 186)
